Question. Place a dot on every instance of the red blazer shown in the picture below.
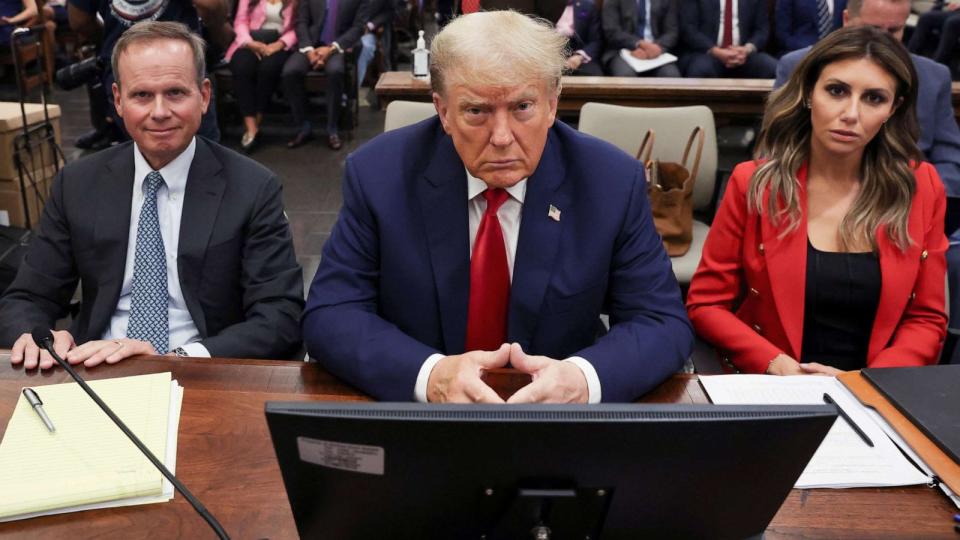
(747, 295)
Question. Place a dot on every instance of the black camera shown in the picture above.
(80, 73)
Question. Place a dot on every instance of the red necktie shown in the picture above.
(727, 39)
(489, 280)
(469, 6)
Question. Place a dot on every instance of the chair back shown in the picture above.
(404, 113)
(625, 128)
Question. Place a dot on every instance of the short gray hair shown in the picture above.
(148, 31)
(497, 48)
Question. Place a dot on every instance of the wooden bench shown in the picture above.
(729, 99)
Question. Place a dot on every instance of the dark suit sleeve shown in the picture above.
(302, 25)
(47, 277)
(352, 34)
(594, 47)
(341, 325)
(272, 287)
(944, 153)
(382, 12)
(650, 335)
(696, 40)
(761, 26)
(669, 27)
(616, 36)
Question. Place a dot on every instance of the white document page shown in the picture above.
(641, 66)
(843, 459)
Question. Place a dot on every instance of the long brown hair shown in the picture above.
(886, 172)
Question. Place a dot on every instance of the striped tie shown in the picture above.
(823, 18)
(148, 292)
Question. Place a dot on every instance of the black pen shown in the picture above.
(829, 400)
(34, 400)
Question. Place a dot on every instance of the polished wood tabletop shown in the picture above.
(728, 98)
(226, 459)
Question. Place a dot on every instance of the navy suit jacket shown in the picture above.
(587, 35)
(797, 22)
(393, 283)
(619, 21)
(700, 23)
(939, 134)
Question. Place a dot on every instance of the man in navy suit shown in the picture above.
(493, 236)
(648, 28)
(798, 21)
(724, 38)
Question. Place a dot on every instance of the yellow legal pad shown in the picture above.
(87, 459)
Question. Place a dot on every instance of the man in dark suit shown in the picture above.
(326, 31)
(580, 22)
(492, 234)
(799, 22)
(180, 245)
(725, 38)
(647, 33)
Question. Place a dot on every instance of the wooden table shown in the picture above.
(729, 99)
(226, 458)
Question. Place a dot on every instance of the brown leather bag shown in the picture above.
(670, 189)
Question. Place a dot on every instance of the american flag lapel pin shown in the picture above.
(553, 213)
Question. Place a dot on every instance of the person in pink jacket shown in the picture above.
(265, 38)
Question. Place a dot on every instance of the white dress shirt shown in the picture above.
(183, 332)
(509, 215)
(736, 22)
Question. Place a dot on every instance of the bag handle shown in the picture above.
(700, 136)
(646, 147)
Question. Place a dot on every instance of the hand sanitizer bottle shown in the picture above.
(421, 58)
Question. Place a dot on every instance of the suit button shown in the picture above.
(913, 296)
(758, 329)
(924, 255)
(754, 292)
(760, 248)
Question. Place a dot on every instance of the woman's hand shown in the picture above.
(784, 365)
(273, 48)
(813, 368)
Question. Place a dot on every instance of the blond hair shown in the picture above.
(497, 48)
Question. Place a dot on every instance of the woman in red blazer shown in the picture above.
(828, 251)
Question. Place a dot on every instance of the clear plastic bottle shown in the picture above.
(421, 58)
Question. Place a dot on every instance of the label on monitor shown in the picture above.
(344, 456)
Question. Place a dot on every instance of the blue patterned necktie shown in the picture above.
(823, 18)
(641, 17)
(329, 32)
(148, 304)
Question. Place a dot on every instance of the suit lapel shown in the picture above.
(201, 203)
(112, 234)
(898, 270)
(786, 260)
(538, 242)
(443, 205)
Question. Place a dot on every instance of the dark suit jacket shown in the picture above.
(240, 279)
(586, 29)
(351, 16)
(550, 10)
(939, 133)
(700, 23)
(393, 284)
(746, 252)
(381, 12)
(620, 25)
(797, 22)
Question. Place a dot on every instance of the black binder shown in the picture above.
(929, 396)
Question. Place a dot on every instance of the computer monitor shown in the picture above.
(417, 471)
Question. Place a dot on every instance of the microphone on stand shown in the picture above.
(44, 339)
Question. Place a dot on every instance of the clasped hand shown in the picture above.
(90, 353)
(456, 378)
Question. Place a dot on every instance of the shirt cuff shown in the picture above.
(589, 373)
(586, 57)
(370, 26)
(306, 49)
(196, 349)
(420, 389)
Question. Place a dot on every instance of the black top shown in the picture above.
(843, 290)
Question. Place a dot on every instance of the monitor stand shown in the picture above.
(544, 513)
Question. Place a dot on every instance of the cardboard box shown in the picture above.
(11, 200)
(11, 126)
